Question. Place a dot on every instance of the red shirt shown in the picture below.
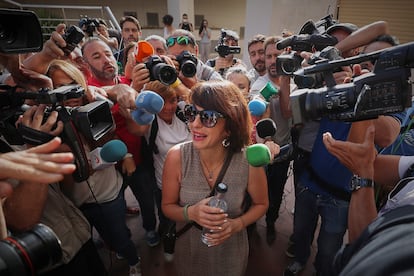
(132, 141)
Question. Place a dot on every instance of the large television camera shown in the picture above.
(92, 121)
(387, 89)
(222, 49)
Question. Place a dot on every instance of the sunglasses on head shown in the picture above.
(181, 40)
(207, 117)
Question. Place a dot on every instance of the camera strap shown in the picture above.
(218, 180)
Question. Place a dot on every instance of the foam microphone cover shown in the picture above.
(113, 151)
(257, 107)
(265, 128)
(149, 101)
(142, 117)
(258, 155)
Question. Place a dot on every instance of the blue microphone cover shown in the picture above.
(149, 101)
(113, 151)
(142, 117)
(257, 107)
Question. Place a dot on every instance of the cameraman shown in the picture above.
(32, 201)
(322, 183)
(222, 63)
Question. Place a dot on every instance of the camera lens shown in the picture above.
(30, 253)
(188, 68)
(166, 74)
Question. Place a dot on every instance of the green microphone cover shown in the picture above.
(258, 155)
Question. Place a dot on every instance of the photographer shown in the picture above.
(222, 63)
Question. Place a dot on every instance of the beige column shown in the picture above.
(177, 7)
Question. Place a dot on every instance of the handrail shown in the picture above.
(107, 9)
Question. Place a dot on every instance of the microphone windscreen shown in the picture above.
(149, 101)
(265, 128)
(142, 118)
(258, 155)
(257, 107)
(113, 151)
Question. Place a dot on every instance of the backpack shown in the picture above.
(386, 247)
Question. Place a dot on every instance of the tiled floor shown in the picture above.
(263, 260)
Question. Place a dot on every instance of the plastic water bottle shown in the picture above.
(217, 201)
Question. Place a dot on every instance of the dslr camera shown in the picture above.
(222, 49)
(161, 71)
(188, 63)
(387, 89)
(89, 25)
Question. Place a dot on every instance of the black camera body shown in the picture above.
(161, 71)
(89, 25)
(188, 63)
(223, 49)
(20, 32)
(73, 36)
(387, 89)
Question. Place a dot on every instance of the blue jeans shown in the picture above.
(334, 221)
(109, 220)
(142, 184)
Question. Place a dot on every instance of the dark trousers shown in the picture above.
(276, 179)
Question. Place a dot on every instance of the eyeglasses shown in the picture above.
(207, 117)
(181, 40)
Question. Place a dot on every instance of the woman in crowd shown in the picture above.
(220, 125)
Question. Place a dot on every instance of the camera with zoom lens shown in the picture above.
(387, 89)
(224, 50)
(89, 25)
(73, 36)
(30, 253)
(161, 71)
(188, 64)
(287, 64)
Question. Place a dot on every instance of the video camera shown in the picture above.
(20, 32)
(73, 36)
(311, 37)
(89, 25)
(388, 89)
(222, 49)
(92, 120)
(159, 70)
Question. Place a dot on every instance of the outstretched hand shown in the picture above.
(358, 158)
(37, 164)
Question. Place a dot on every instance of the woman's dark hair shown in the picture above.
(202, 26)
(225, 97)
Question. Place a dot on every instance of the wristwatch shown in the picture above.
(358, 182)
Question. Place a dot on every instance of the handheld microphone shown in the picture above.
(257, 107)
(148, 103)
(107, 155)
(265, 128)
(258, 155)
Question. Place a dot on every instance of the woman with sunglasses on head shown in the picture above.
(220, 124)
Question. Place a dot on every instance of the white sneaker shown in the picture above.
(168, 257)
(135, 270)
